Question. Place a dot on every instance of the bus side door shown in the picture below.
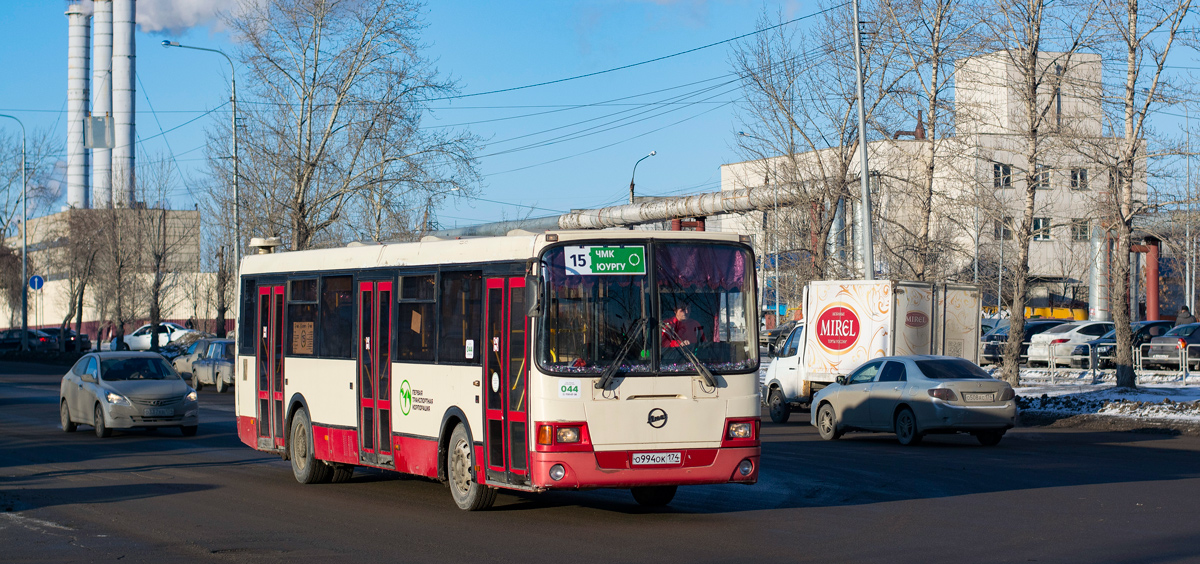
(506, 377)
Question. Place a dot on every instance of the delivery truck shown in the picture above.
(848, 322)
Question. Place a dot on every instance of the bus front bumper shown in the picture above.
(615, 469)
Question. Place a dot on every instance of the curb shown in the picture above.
(1093, 421)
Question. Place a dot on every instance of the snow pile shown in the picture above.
(1165, 402)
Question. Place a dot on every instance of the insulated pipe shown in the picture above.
(123, 92)
(102, 49)
(1098, 306)
(660, 209)
(79, 32)
(1152, 249)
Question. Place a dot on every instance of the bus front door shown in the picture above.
(374, 373)
(269, 353)
(506, 373)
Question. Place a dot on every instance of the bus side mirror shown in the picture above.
(533, 296)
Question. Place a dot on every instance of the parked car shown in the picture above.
(1059, 342)
(1099, 352)
(993, 347)
(774, 337)
(989, 324)
(75, 342)
(1164, 352)
(139, 340)
(123, 390)
(10, 340)
(912, 396)
(215, 367)
(193, 353)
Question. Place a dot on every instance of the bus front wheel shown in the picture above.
(653, 496)
(468, 494)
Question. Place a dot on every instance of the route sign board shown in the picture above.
(598, 260)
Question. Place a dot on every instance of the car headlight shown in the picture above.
(116, 399)
(191, 396)
(1104, 349)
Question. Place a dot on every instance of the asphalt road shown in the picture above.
(1041, 495)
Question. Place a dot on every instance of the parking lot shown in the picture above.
(1042, 495)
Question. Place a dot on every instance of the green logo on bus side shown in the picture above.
(405, 397)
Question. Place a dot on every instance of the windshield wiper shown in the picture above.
(691, 356)
(610, 372)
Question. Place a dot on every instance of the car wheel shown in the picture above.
(196, 385)
(305, 466)
(220, 384)
(989, 438)
(64, 415)
(827, 423)
(906, 428)
(779, 408)
(102, 430)
(468, 494)
(653, 496)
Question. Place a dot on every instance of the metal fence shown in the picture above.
(1087, 368)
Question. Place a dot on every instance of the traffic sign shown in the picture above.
(36, 282)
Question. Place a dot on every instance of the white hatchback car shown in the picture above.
(139, 340)
(1061, 341)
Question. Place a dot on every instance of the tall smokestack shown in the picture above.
(79, 35)
(123, 91)
(102, 50)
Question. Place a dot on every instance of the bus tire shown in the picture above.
(653, 496)
(468, 494)
(778, 407)
(305, 466)
(342, 473)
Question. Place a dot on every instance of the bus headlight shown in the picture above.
(557, 472)
(568, 435)
(740, 430)
(745, 467)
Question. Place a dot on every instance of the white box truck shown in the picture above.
(848, 322)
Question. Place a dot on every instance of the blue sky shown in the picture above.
(484, 46)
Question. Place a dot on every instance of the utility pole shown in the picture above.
(867, 253)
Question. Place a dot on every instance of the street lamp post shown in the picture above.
(24, 243)
(774, 229)
(868, 251)
(652, 153)
(237, 202)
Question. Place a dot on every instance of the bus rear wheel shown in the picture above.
(653, 496)
(305, 466)
(468, 494)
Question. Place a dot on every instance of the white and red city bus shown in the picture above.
(560, 360)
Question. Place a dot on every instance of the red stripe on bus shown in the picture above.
(416, 456)
(335, 445)
(247, 428)
(620, 459)
(584, 472)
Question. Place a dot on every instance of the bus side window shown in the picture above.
(460, 319)
(249, 318)
(416, 333)
(335, 339)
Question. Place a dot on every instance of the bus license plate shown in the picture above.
(657, 458)
(158, 412)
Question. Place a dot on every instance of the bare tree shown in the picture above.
(1020, 29)
(800, 110)
(164, 235)
(78, 243)
(118, 285)
(1146, 33)
(338, 90)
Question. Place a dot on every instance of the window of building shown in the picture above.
(1041, 177)
(335, 337)
(1080, 230)
(1041, 229)
(1079, 179)
(246, 322)
(416, 335)
(460, 324)
(1001, 175)
(1003, 228)
(301, 317)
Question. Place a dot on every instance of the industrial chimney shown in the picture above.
(123, 91)
(102, 51)
(79, 35)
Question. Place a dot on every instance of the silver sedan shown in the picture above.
(122, 390)
(917, 395)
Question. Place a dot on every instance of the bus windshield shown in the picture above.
(694, 297)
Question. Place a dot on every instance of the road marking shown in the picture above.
(35, 524)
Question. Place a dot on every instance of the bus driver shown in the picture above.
(689, 331)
